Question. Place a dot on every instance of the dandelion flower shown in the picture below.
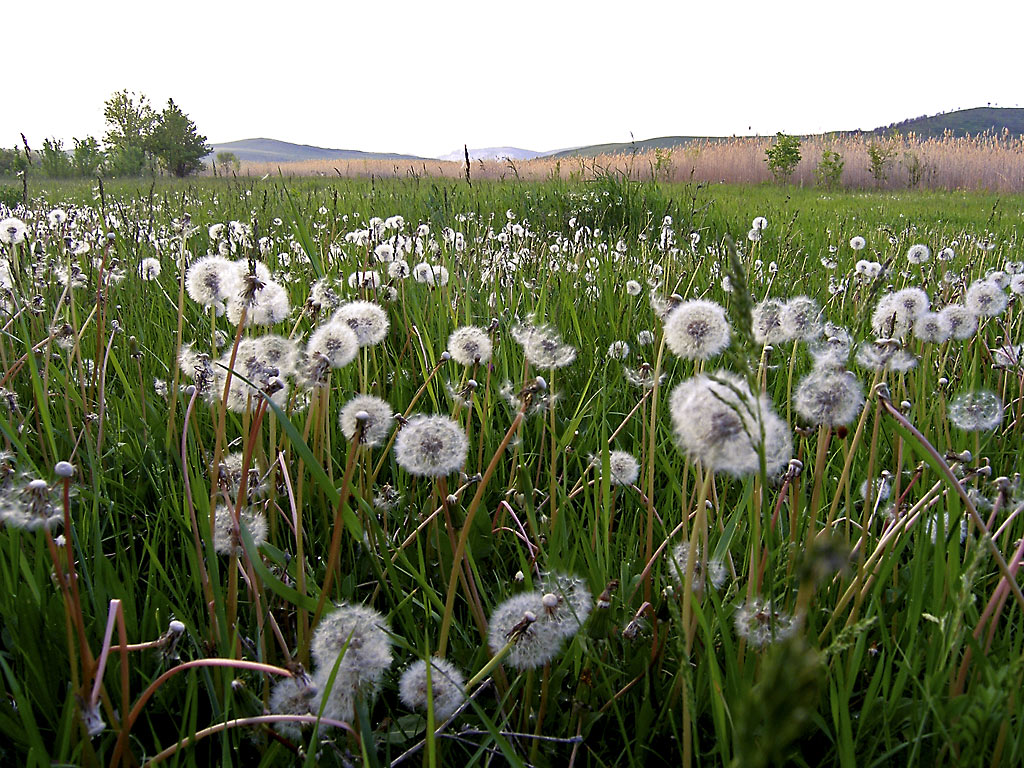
(759, 223)
(149, 268)
(567, 603)
(985, 299)
(12, 231)
(697, 330)
(766, 319)
(759, 623)
(226, 541)
(678, 559)
(719, 422)
(980, 411)
(829, 397)
(30, 507)
(353, 639)
(963, 323)
(470, 345)
(519, 620)
(618, 350)
(368, 320)
(377, 419)
(292, 696)
(211, 281)
(633, 288)
(918, 254)
(335, 343)
(369, 279)
(932, 327)
(801, 318)
(832, 348)
(446, 689)
(431, 446)
(543, 346)
(623, 467)
(858, 243)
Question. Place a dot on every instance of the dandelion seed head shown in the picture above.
(697, 330)
(801, 318)
(985, 299)
(678, 560)
(759, 623)
(543, 346)
(932, 327)
(829, 397)
(857, 243)
(226, 541)
(377, 419)
(766, 319)
(470, 345)
(367, 320)
(963, 323)
(918, 253)
(517, 620)
(979, 411)
(719, 422)
(446, 689)
(431, 446)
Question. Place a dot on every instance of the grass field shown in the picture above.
(663, 519)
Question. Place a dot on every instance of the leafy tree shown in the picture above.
(829, 169)
(54, 161)
(130, 122)
(880, 156)
(87, 157)
(227, 159)
(783, 156)
(176, 143)
(12, 162)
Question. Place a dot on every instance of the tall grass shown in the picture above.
(986, 162)
(127, 638)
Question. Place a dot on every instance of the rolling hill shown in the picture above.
(963, 122)
(274, 151)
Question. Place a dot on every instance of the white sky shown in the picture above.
(426, 77)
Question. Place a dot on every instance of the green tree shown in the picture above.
(880, 156)
(87, 157)
(227, 159)
(829, 170)
(176, 143)
(54, 161)
(783, 156)
(130, 122)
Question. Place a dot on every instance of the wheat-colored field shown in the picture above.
(989, 162)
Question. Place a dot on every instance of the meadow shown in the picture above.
(581, 472)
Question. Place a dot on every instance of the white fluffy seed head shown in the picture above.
(470, 345)
(367, 320)
(985, 298)
(375, 415)
(697, 330)
(801, 319)
(534, 642)
(446, 689)
(963, 323)
(979, 411)
(829, 397)
(766, 319)
(227, 539)
(719, 422)
(431, 446)
(355, 638)
(334, 342)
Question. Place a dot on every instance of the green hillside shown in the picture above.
(964, 122)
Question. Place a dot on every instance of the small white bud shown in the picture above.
(64, 469)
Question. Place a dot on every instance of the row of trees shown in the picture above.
(784, 155)
(138, 141)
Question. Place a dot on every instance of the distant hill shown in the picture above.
(492, 153)
(963, 122)
(274, 151)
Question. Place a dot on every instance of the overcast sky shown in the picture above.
(426, 77)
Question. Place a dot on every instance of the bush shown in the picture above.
(829, 170)
(783, 156)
